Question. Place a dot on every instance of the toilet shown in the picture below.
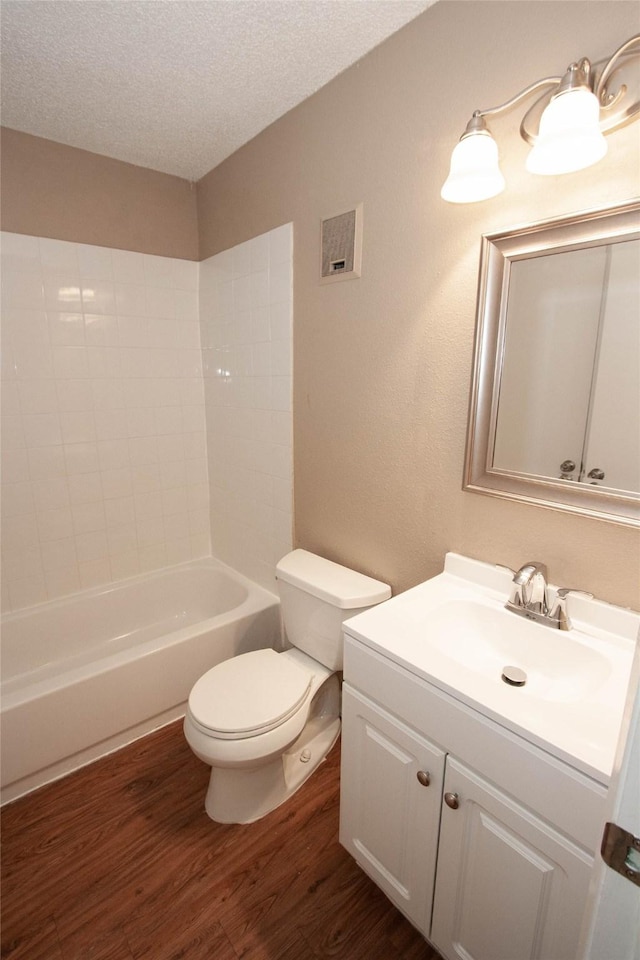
(264, 720)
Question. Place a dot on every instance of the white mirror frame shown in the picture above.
(498, 252)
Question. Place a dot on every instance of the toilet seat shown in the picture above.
(248, 695)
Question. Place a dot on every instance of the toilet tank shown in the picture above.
(317, 595)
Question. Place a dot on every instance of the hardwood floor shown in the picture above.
(120, 862)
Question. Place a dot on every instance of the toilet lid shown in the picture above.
(249, 694)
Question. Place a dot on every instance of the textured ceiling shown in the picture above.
(177, 85)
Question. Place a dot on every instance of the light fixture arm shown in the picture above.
(477, 123)
(570, 117)
(608, 100)
(490, 111)
(579, 73)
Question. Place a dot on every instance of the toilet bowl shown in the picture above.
(265, 720)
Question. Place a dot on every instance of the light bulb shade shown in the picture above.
(570, 137)
(474, 174)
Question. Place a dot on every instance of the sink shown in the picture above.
(484, 640)
(454, 632)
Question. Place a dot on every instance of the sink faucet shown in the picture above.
(529, 597)
(529, 592)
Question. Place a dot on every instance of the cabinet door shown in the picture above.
(388, 818)
(508, 886)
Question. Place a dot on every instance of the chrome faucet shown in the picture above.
(529, 597)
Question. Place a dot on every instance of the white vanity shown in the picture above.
(475, 805)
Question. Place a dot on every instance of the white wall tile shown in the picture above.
(120, 510)
(20, 253)
(131, 299)
(85, 488)
(36, 396)
(50, 494)
(128, 266)
(185, 275)
(110, 436)
(62, 580)
(94, 573)
(92, 546)
(152, 557)
(22, 291)
(88, 517)
(46, 463)
(122, 539)
(101, 329)
(33, 360)
(66, 329)
(62, 293)
(160, 302)
(158, 271)
(70, 363)
(59, 256)
(27, 591)
(186, 305)
(98, 296)
(281, 244)
(15, 465)
(24, 326)
(41, 429)
(95, 262)
(77, 426)
(245, 331)
(125, 565)
(81, 458)
(116, 483)
(58, 555)
(55, 524)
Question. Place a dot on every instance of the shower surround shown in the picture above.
(246, 313)
(104, 432)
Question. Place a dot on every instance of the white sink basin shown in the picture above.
(455, 632)
(484, 640)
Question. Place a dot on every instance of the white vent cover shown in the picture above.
(341, 246)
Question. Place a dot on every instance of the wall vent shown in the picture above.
(341, 246)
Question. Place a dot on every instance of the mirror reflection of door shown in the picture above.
(570, 384)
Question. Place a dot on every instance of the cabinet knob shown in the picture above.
(596, 474)
(424, 777)
(451, 800)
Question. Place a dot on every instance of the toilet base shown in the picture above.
(244, 795)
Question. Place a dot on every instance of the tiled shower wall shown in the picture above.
(246, 324)
(104, 470)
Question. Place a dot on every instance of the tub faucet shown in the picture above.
(528, 595)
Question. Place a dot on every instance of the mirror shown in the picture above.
(555, 400)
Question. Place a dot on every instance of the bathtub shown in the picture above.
(89, 673)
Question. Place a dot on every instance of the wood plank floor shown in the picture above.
(120, 862)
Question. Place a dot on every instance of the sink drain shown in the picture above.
(514, 676)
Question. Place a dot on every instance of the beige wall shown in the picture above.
(382, 364)
(51, 190)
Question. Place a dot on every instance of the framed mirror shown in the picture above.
(554, 416)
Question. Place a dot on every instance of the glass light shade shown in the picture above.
(474, 174)
(570, 137)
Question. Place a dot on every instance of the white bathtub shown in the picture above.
(84, 675)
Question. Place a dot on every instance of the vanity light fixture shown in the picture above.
(571, 131)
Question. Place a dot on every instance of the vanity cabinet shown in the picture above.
(508, 885)
(481, 839)
(390, 793)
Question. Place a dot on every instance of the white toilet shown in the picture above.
(265, 720)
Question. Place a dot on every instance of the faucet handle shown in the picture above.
(559, 613)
